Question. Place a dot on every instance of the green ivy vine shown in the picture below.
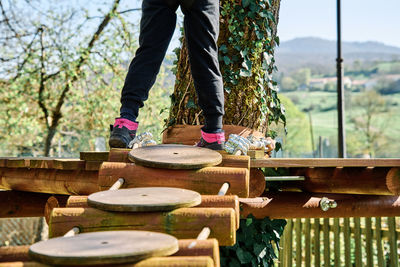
(246, 53)
(255, 243)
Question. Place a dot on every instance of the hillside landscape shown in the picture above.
(307, 78)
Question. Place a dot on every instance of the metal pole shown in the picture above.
(340, 89)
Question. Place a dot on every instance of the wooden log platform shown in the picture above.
(14, 204)
(52, 181)
(345, 180)
(286, 205)
(122, 155)
(182, 223)
(205, 181)
(323, 162)
(208, 247)
(181, 261)
(207, 201)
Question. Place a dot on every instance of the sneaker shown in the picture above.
(122, 133)
(214, 141)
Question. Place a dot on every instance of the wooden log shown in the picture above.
(52, 181)
(207, 201)
(121, 155)
(348, 180)
(208, 247)
(22, 264)
(190, 134)
(53, 202)
(69, 164)
(303, 205)
(328, 162)
(93, 165)
(393, 181)
(94, 155)
(15, 204)
(182, 223)
(181, 261)
(234, 161)
(205, 181)
(14, 253)
(257, 183)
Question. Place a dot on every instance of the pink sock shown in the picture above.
(213, 137)
(131, 125)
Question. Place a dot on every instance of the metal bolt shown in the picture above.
(327, 204)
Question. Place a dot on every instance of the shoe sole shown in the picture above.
(117, 143)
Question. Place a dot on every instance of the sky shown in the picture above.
(362, 20)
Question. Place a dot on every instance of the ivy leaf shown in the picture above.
(227, 60)
(245, 73)
(245, 3)
(223, 49)
(243, 256)
(247, 64)
(191, 104)
(277, 41)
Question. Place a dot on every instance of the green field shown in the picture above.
(324, 119)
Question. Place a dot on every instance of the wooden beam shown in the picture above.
(206, 181)
(52, 181)
(286, 205)
(325, 162)
(14, 204)
(182, 223)
(94, 155)
(347, 180)
(121, 155)
(14, 253)
(208, 247)
(181, 261)
(207, 201)
(257, 183)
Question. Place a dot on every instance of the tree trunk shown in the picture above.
(246, 49)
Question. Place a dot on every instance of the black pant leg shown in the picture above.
(201, 30)
(157, 26)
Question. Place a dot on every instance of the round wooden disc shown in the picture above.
(144, 199)
(108, 247)
(175, 157)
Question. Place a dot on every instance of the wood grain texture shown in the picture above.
(207, 201)
(257, 183)
(171, 156)
(52, 181)
(205, 181)
(326, 162)
(144, 199)
(185, 223)
(285, 205)
(94, 155)
(181, 261)
(347, 180)
(108, 247)
(14, 204)
(14, 253)
(208, 247)
(190, 134)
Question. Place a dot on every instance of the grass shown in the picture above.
(324, 117)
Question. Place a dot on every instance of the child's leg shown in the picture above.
(157, 26)
(201, 31)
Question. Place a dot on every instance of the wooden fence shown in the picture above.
(340, 242)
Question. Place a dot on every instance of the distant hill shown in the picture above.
(319, 53)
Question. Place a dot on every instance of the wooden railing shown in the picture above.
(341, 242)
